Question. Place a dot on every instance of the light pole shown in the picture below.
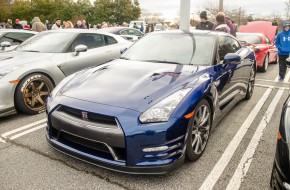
(221, 5)
(184, 14)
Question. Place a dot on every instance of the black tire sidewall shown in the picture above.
(190, 155)
(20, 105)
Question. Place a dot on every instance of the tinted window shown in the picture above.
(89, 40)
(250, 38)
(227, 45)
(47, 42)
(124, 32)
(110, 40)
(178, 48)
(134, 32)
(15, 38)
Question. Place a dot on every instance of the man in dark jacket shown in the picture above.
(17, 25)
(204, 23)
(283, 44)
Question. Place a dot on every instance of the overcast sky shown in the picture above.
(170, 8)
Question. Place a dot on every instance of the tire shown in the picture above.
(199, 130)
(251, 83)
(265, 64)
(31, 94)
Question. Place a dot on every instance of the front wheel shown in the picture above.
(31, 94)
(251, 83)
(199, 130)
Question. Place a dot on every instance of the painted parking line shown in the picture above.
(269, 86)
(218, 169)
(2, 141)
(247, 158)
(28, 131)
(5, 135)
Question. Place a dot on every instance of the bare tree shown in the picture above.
(287, 8)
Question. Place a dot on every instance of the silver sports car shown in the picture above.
(30, 72)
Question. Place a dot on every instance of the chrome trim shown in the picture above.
(84, 123)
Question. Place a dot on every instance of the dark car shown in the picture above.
(149, 110)
(131, 34)
(11, 38)
(280, 178)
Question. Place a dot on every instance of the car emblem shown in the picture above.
(84, 115)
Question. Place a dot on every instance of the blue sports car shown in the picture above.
(156, 105)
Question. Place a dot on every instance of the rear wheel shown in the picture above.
(251, 83)
(266, 63)
(31, 94)
(199, 130)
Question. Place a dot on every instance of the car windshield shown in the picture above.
(47, 42)
(249, 38)
(186, 49)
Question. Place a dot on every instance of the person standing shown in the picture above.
(37, 25)
(283, 44)
(8, 24)
(204, 23)
(17, 25)
(56, 25)
(142, 27)
(221, 25)
(68, 25)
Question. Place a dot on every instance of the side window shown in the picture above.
(227, 45)
(15, 38)
(110, 40)
(90, 40)
(124, 32)
(134, 32)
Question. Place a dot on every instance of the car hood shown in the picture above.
(260, 27)
(131, 84)
(16, 58)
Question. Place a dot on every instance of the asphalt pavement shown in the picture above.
(239, 154)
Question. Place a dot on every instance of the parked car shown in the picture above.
(160, 27)
(260, 36)
(28, 74)
(11, 38)
(147, 111)
(280, 177)
(127, 33)
(265, 51)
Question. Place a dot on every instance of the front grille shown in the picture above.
(101, 119)
(88, 146)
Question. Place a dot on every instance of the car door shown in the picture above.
(96, 54)
(230, 77)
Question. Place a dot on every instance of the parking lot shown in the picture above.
(239, 155)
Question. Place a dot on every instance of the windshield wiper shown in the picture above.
(30, 50)
(158, 61)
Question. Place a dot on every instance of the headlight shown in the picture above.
(62, 84)
(6, 71)
(161, 111)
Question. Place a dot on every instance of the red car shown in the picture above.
(260, 35)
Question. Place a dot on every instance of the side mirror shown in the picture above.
(80, 48)
(123, 50)
(4, 45)
(232, 58)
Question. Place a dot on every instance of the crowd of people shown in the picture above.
(38, 26)
(223, 23)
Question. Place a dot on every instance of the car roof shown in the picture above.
(194, 31)
(17, 31)
(85, 31)
(113, 29)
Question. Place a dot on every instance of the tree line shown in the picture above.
(117, 11)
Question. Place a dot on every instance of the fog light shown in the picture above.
(286, 185)
(155, 149)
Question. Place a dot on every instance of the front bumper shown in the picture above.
(6, 99)
(116, 148)
(114, 167)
